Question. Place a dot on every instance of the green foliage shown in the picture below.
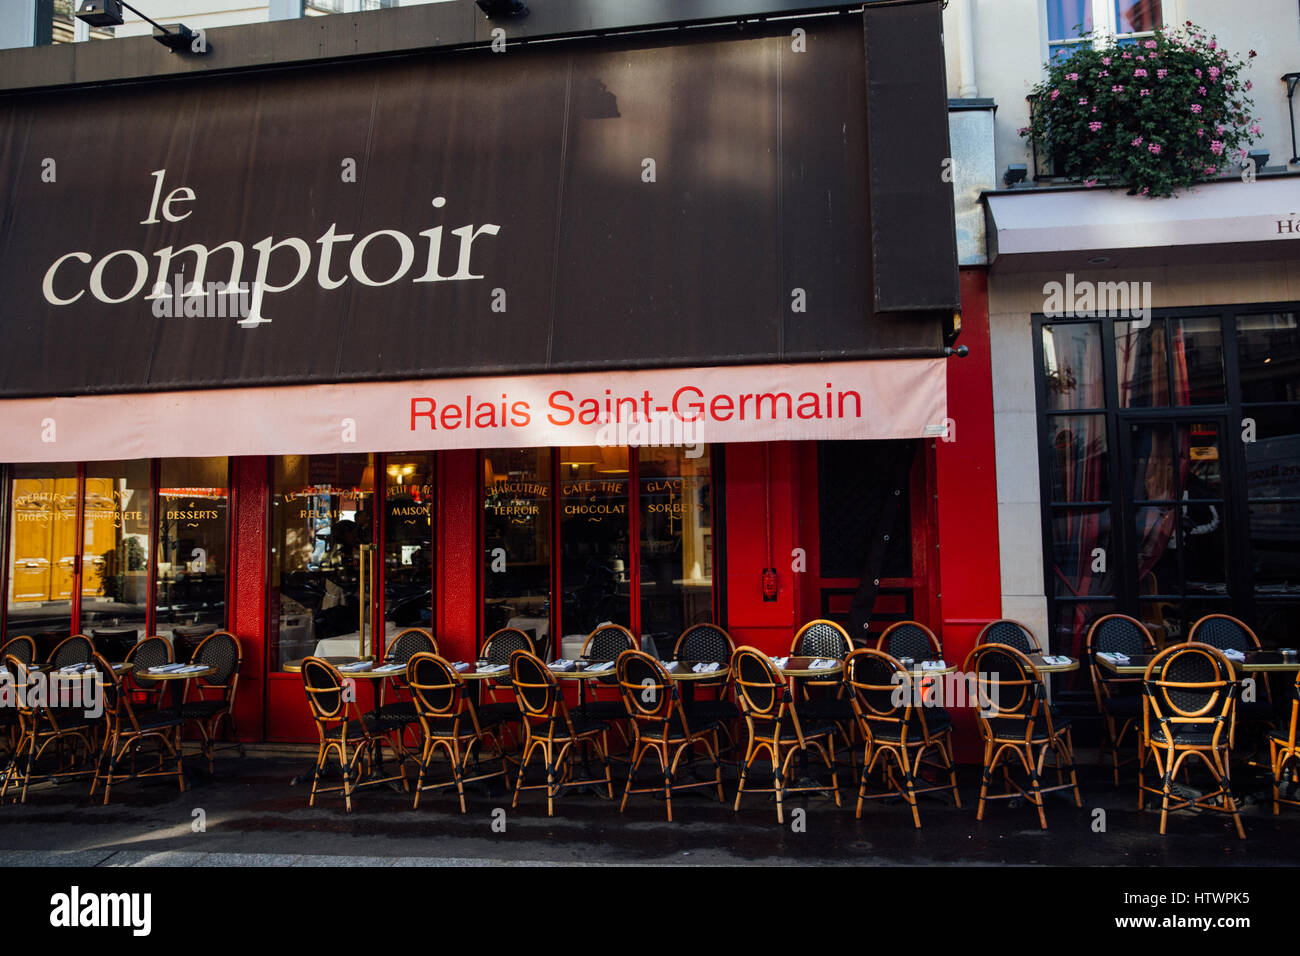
(1156, 116)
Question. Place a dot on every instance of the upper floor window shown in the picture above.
(1069, 22)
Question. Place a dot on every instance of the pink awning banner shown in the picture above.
(875, 399)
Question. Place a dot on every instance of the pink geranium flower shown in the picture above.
(1153, 148)
(1137, 141)
(1139, 72)
(1144, 92)
(1196, 107)
(1216, 147)
(1095, 126)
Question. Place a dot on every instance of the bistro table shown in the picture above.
(1045, 668)
(1268, 662)
(1258, 662)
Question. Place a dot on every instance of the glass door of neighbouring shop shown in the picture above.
(1180, 525)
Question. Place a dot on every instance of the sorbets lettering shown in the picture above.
(123, 274)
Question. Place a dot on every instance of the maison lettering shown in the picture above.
(122, 274)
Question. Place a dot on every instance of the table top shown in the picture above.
(1256, 661)
(186, 676)
(801, 667)
(1046, 668)
(295, 667)
(119, 667)
(683, 671)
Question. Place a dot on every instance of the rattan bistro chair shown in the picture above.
(1283, 755)
(1012, 634)
(663, 728)
(450, 724)
(22, 648)
(710, 644)
(343, 731)
(1119, 699)
(1017, 724)
(76, 649)
(40, 723)
(910, 639)
(151, 652)
(499, 703)
(606, 643)
(549, 729)
(215, 693)
(127, 731)
(1190, 696)
(1225, 633)
(774, 727)
(897, 726)
(396, 715)
(819, 698)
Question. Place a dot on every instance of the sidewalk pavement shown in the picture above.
(249, 814)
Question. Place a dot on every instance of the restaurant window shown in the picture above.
(193, 543)
(676, 518)
(1170, 456)
(590, 504)
(42, 551)
(517, 527)
(408, 559)
(321, 579)
(115, 553)
(595, 535)
(1070, 21)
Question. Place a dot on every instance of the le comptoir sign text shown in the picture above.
(123, 274)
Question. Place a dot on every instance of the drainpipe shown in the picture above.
(966, 46)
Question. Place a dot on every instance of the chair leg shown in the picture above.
(984, 781)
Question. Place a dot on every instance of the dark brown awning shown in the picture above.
(693, 199)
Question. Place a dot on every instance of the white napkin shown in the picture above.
(779, 661)
(821, 664)
(1233, 654)
(390, 668)
(166, 669)
(561, 664)
(1115, 657)
(670, 666)
(73, 668)
(357, 666)
(602, 666)
(933, 665)
(705, 668)
(1058, 660)
(493, 668)
(460, 666)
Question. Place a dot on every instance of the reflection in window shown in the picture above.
(115, 545)
(193, 518)
(322, 516)
(408, 542)
(1141, 364)
(676, 515)
(1072, 366)
(1197, 352)
(594, 539)
(517, 503)
(42, 552)
(1268, 350)
(1079, 461)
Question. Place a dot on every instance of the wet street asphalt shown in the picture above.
(252, 814)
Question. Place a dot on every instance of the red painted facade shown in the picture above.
(769, 496)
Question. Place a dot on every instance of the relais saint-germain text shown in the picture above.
(688, 404)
